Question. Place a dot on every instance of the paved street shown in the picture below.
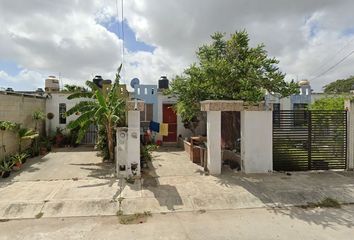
(243, 224)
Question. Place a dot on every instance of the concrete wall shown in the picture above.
(18, 108)
(256, 141)
(52, 106)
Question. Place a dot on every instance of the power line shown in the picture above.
(122, 27)
(335, 65)
(326, 61)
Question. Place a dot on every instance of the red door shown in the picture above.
(169, 117)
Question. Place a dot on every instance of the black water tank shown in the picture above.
(98, 81)
(163, 82)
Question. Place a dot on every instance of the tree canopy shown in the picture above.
(228, 69)
(339, 86)
(73, 88)
(328, 103)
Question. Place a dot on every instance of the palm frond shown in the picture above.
(101, 99)
(82, 107)
(93, 86)
(86, 117)
(82, 131)
(80, 95)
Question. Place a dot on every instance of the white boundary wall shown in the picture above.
(256, 141)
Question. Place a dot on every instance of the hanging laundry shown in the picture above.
(164, 129)
(154, 126)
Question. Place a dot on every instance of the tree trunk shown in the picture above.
(110, 141)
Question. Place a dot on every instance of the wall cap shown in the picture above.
(139, 106)
(230, 105)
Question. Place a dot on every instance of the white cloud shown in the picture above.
(299, 33)
(48, 37)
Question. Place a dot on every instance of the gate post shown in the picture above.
(349, 105)
(214, 142)
(133, 141)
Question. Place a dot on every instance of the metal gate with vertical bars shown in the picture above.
(309, 140)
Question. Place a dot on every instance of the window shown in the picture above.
(138, 89)
(145, 91)
(152, 91)
(276, 114)
(62, 111)
(300, 114)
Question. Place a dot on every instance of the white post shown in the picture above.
(256, 141)
(349, 105)
(133, 153)
(214, 142)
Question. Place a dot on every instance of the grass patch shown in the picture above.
(136, 218)
(325, 203)
(39, 215)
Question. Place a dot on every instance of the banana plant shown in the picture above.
(103, 109)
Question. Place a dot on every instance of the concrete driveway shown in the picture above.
(77, 183)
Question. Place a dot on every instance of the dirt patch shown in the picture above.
(136, 218)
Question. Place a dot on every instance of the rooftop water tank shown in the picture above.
(51, 84)
(98, 81)
(163, 82)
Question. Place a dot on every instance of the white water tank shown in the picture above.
(52, 84)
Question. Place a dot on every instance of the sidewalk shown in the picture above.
(173, 184)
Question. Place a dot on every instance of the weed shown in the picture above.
(39, 215)
(134, 218)
(325, 203)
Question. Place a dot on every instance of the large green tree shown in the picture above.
(228, 69)
(329, 103)
(339, 86)
(105, 110)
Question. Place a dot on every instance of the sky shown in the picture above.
(78, 39)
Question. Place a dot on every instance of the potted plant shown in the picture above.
(6, 167)
(50, 116)
(18, 159)
(59, 137)
(45, 146)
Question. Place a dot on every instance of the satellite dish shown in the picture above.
(134, 81)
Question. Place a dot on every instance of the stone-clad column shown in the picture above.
(132, 154)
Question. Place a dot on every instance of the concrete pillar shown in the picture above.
(349, 105)
(128, 142)
(256, 141)
(214, 142)
(133, 147)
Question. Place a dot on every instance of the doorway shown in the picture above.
(169, 116)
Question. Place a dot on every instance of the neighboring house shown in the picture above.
(58, 103)
(294, 102)
(159, 108)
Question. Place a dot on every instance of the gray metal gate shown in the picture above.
(309, 140)
(90, 136)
